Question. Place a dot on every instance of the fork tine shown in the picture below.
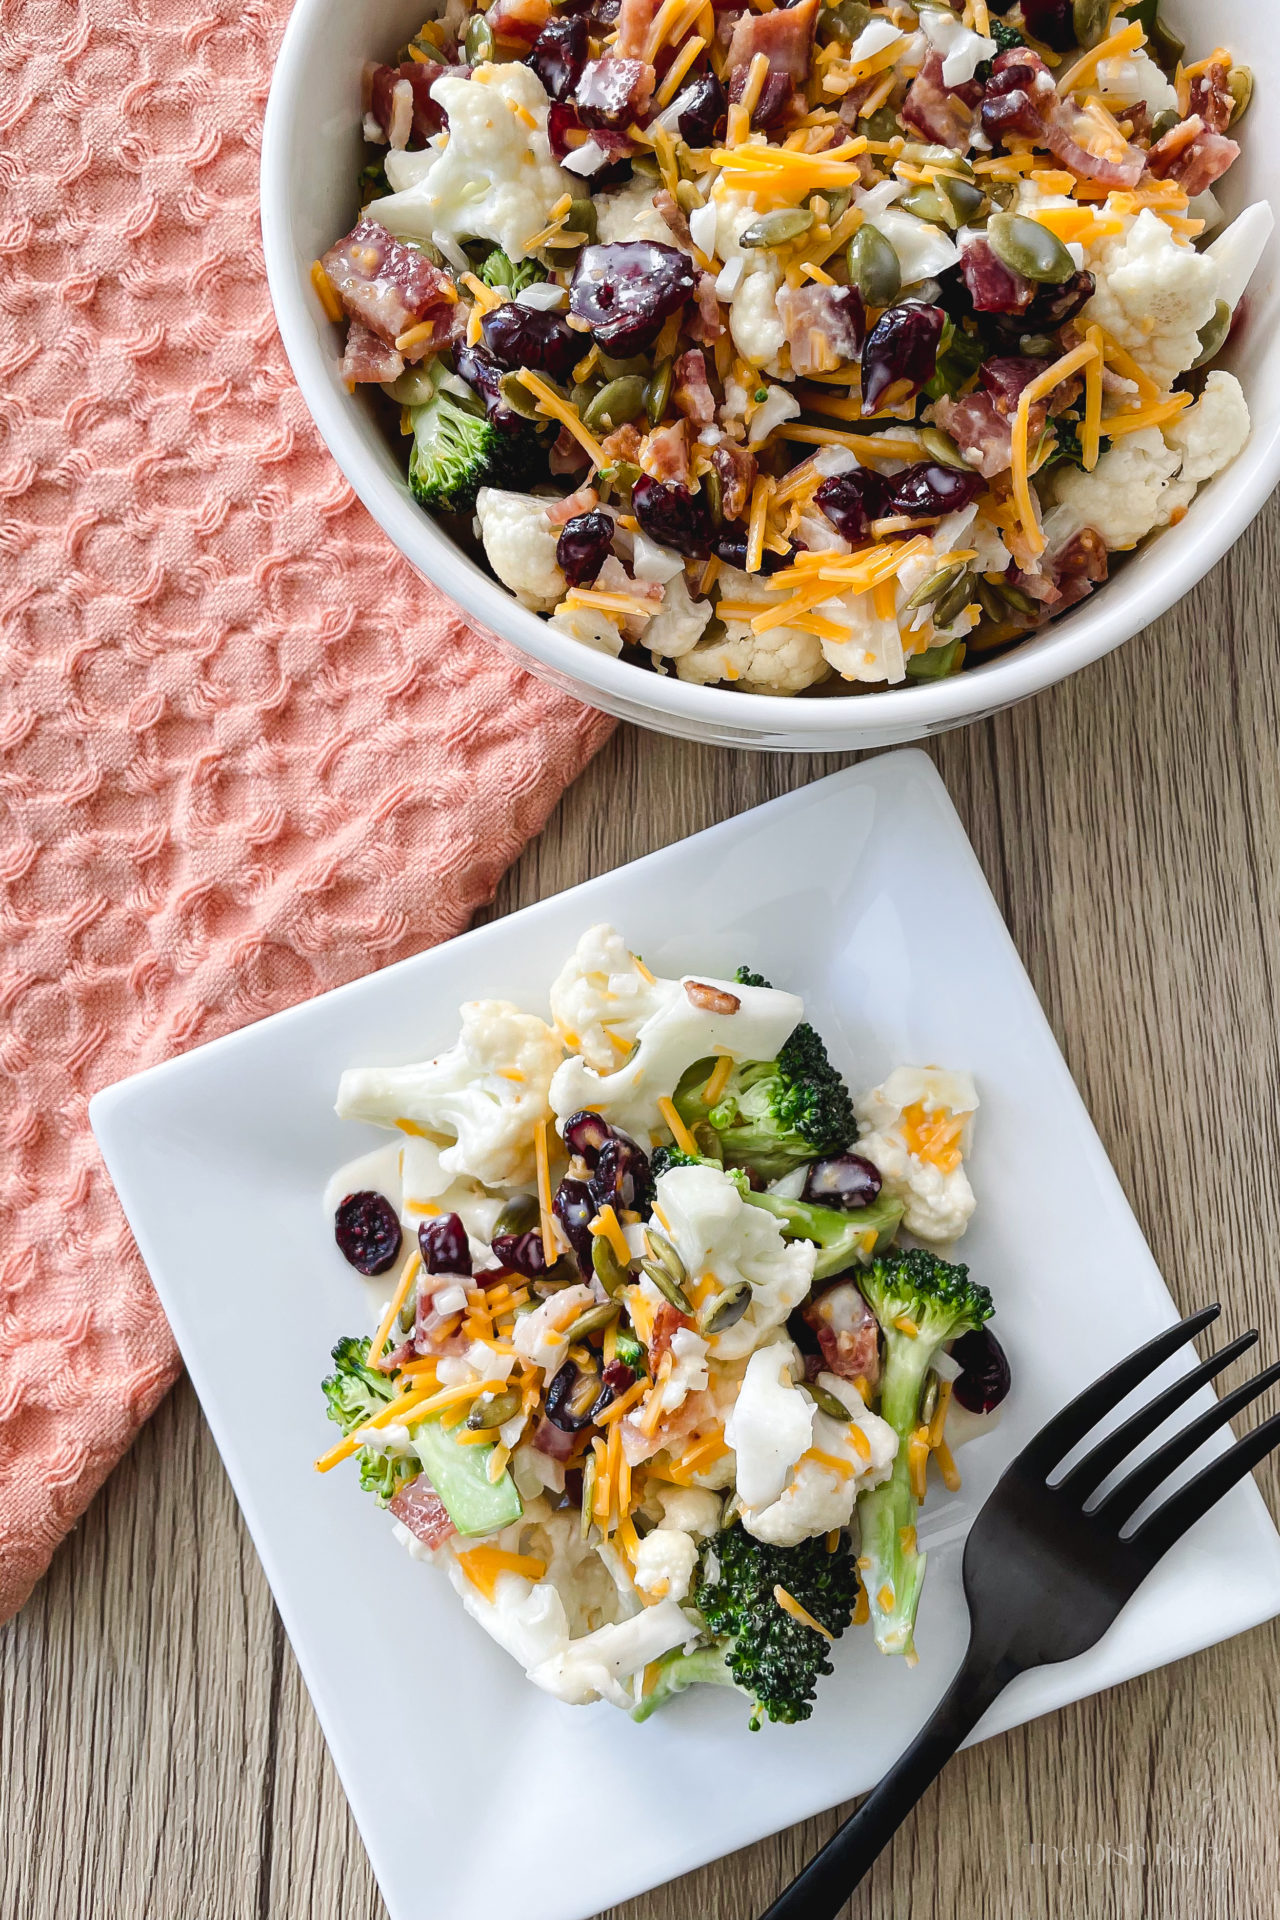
(1181, 1511)
(1139, 1485)
(1069, 1427)
(1090, 1472)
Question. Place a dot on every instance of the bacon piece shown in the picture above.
(824, 325)
(518, 22)
(847, 1331)
(612, 92)
(982, 423)
(1019, 96)
(703, 321)
(567, 455)
(934, 110)
(691, 390)
(367, 358)
(635, 17)
(391, 287)
(1078, 568)
(380, 82)
(1211, 98)
(784, 36)
(582, 501)
(993, 287)
(773, 100)
(1191, 156)
(852, 103)
(419, 1507)
(737, 470)
(552, 1440)
(674, 215)
(1123, 169)
(665, 454)
(667, 1322)
(622, 444)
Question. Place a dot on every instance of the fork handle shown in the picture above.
(830, 1877)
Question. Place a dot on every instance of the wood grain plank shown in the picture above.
(159, 1759)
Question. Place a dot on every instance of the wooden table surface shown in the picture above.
(159, 1759)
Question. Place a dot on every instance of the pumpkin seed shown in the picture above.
(881, 125)
(776, 229)
(1089, 19)
(688, 196)
(929, 1398)
(1213, 335)
(592, 1320)
(1166, 47)
(923, 153)
(588, 1492)
(615, 369)
(658, 391)
(1165, 123)
(951, 604)
(929, 589)
(714, 495)
(843, 22)
(1025, 247)
(723, 1310)
(518, 1216)
(667, 1287)
(827, 1403)
(414, 387)
(478, 41)
(608, 1269)
(874, 268)
(943, 448)
(518, 397)
(927, 204)
(963, 198)
(661, 1250)
(486, 1414)
(615, 404)
(1014, 597)
(581, 218)
(1240, 87)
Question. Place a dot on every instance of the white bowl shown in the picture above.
(311, 155)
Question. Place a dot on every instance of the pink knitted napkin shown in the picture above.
(245, 754)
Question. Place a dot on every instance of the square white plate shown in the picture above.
(863, 894)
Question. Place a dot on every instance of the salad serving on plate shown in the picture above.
(671, 1340)
(808, 348)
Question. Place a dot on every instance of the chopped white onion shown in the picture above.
(702, 227)
(588, 158)
(544, 296)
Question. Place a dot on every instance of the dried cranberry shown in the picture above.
(1050, 21)
(673, 517)
(700, 111)
(1052, 307)
(559, 55)
(575, 1209)
(619, 1376)
(526, 337)
(626, 289)
(563, 119)
(611, 92)
(522, 1252)
(585, 1133)
(731, 547)
(572, 1397)
(993, 287)
(851, 501)
(583, 547)
(477, 366)
(442, 1243)
(930, 490)
(622, 1177)
(985, 1378)
(844, 1180)
(903, 346)
(774, 97)
(367, 1229)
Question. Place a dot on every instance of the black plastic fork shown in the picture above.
(1045, 1573)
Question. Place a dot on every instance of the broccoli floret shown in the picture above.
(841, 1238)
(498, 271)
(457, 450)
(773, 1115)
(758, 1646)
(664, 1158)
(920, 1302)
(354, 1392)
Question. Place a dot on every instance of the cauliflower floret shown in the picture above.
(771, 1425)
(783, 660)
(714, 1230)
(469, 1093)
(1153, 296)
(590, 627)
(664, 1563)
(600, 999)
(629, 214)
(520, 543)
(915, 1129)
(595, 1666)
(680, 625)
(690, 1024)
(1133, 77)
(527, 1620)
(540, 1335)
(1132, 490)
(874, 651)
(425, 1183)
(923, 250)
(1210, 434)
(494, 180)
(754, 320)
(690, 1510)
(777, 406)
(1236, 251)
(819, 1498)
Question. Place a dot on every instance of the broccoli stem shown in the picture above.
(896, 1574)
(678, 1670)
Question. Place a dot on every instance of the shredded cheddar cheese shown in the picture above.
(605, 1226)
(679, 1132)
(791, 1605)
(550, 403)
(401, 1294)
(1089, 435)
(550, 1252)
(326, 292)
(1039, 389)
(484, 1565)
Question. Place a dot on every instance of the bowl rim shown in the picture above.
(1095, 629)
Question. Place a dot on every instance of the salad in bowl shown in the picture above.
(800, 349)
(673, 1339)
